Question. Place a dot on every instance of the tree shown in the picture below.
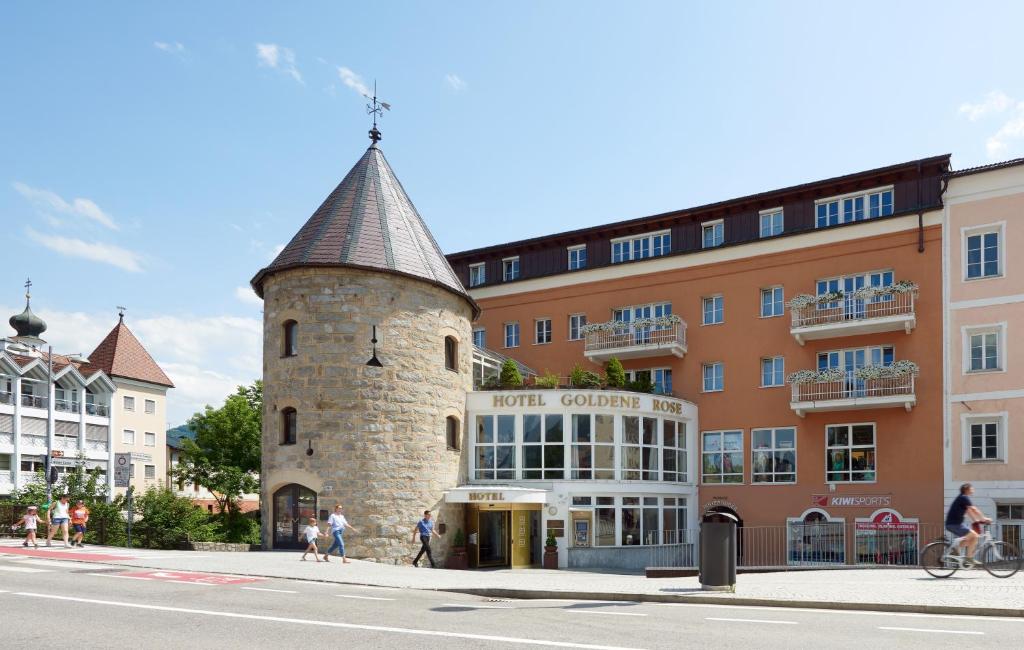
(510, 375)
(225, 455)
(615, 374)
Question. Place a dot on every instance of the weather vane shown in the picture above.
(28, 287)
(120, 312)
(375, 108)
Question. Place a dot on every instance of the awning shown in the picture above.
(495, 494)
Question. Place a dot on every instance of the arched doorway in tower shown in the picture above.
(294, 504)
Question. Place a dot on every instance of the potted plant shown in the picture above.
(551, 551)
(615, 374)
(510, 375)
(458, 559)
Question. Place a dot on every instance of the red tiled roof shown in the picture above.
(120, 354)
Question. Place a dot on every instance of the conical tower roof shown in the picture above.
(368, 222)
(120, 354)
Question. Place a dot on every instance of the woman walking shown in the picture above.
(338, 525)
(57, 517)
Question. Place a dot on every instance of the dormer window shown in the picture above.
(712, 234)
(510, 269)
(641, 247)
(477, 274)
(291, 338)
(853, 207)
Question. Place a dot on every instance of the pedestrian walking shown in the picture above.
(311, 533)
(338, 525)
(79, 519)
(31, 522)
(57, 516)
(425, 528)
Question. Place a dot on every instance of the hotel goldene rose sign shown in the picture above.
(588, 399)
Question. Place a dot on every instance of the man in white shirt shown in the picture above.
(338, 524)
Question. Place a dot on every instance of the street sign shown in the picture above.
(63, 462)
(143, 457)
(56, 453)
(122, 469)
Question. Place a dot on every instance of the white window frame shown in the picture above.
(479, 273)
(125, 437)
(1002, 420)
(999, 329)
(537, 330)
(703, 376)
(865, 194)
(581, 322)
(483, 342)
(966, 232)
(849, 447)
(716, 225)
(776, 360)
(721, 473)
(518, 334)
(507, 264)
(147, 470)
(770, 214)
(576, 249)
(782, 304)
(773, 449)
(145, 439)
(629, 256)
(150, 403)
(714, 309)
(126, 400)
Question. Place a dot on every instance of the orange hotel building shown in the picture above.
(857, 439)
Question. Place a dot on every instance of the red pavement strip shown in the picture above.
(53, 554)
(183, 576)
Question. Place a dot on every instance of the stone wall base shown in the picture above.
(207, 547)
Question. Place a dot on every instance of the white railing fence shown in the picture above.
(849, 309)
(851, 388)
(625, 335)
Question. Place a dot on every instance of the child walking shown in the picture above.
(31, 522)
(311, 533)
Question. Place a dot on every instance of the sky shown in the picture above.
(157, 155)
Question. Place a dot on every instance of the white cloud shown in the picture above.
(353, 81)
(95, 251)
(175, 48)
(247, 296)
(998, 144)
(275, 251)
(46, 199)
(280, 58)
(455, 82)
(994, 102)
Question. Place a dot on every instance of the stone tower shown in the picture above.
(377, 429)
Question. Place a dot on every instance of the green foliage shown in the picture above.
(641, 384)
(491, 383)
(510, 375)
(580, 378)
(459, 540)
(238, 528)
(551, 541)
(547, 380)
(79, 483)
(615, 374)
(165, 520)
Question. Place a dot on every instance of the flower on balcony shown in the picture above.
(870, 292)
(895, 370)
(806, 300)
(816, 376)
(640, 323)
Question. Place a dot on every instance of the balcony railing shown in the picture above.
(854, 394)
(101, 410)
(34, 401)
(32, 440)
(5, 477)
(65, 443)
(628, 341)
(849, 315)
(65, 406)
(6, 438)
(96, 445)
(6, 397)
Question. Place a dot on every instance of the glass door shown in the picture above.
(494, 538)
(642, 335)
(293, 506)
(852, 308)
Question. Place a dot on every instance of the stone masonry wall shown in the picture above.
(378, 434)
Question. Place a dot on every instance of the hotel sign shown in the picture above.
(585, 399)
(486, 496)
(851, 500)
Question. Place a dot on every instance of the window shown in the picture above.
(639, 517)
(289, 426)
(714, 310)
(477, 274)
(984, 352)
(852, 308)
(593, 447)
(510, 269)
(576, 325)
(673, 453)
(983, 255)
(128, 437)
(773, 372)
(291, 338)
(844, 209)
(542, 331)
(150, 406)
(771, 223)
(638, 248)
(129, 403)
(543, 447)
(639, 448)
(451, 353)
(5, 462)
(772, 302)
(1005, 511)
(660, 377)
(850, 453)
(511, 335)
(712, 234)
(131, 470)
(722, 457)
(577, 258)
(149, 439)
(150, 471)
(495, 447)
(714, 377)
(773, 455)
(480, 338)
(985, 438)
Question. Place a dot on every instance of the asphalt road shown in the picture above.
(99, 606)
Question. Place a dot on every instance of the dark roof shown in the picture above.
(760, 196)
(122, 355)
(368, 222)
(985, 168)
(177, 434)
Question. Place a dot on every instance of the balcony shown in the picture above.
(99, 410)
(6, 439)
(34, 401)
(6, 398)
(648, 337)
(65, 406)
(840, 390)
(866, 311)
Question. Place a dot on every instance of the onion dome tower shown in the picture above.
(28, 326)
(367, 358)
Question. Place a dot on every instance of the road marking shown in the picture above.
(107, 575)
(277, 591)
(851, 612)
(334, 624)
(587, 611)
(23, 569)
(750, 620)
(924, 629)
(54, 563)
(472, 606)
(361, 597)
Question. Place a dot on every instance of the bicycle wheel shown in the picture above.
(1001, 559)
(932, 560)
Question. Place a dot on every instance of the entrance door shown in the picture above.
(293, 506)
(494, 537)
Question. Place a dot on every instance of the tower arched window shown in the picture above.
(452, 431)
(451, 353)
(291, 338)
(289, 426)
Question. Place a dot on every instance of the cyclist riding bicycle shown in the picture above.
(966, 538)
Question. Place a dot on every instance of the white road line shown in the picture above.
(924, 629)
(472, 606)
(361, 597)
(189, 582)
(23, 569)
(277, 591)
(107, 575)
(54, 563)
(750, 620)
(849, 612)
(589, 611)
(333, 624)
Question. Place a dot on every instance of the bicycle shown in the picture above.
(1001, 559)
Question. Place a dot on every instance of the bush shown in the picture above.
(642, 384)
(510, 375)
(581, 378)
(239, 528)
(168, 520)
(615, 374)
(547, 380)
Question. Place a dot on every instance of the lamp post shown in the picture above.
(374, 362)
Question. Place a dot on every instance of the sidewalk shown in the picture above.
(908, 590)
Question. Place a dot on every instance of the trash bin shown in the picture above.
(718, 552)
